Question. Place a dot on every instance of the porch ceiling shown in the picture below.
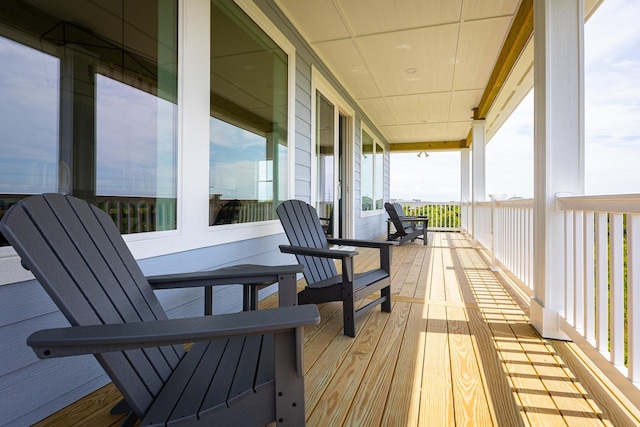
(419, 68)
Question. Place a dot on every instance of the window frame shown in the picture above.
(8, 257)
(319, 83)
(193, 230)
(238, 124)
(376, 143)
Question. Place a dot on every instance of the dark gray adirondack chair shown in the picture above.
(243, 368)
(407, 228)
(311, 247)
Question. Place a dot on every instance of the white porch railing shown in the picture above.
(505, 228)
(602, 268)
(513, 237)
(443, 216)
(602, 258)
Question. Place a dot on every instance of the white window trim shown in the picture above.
(376, 143)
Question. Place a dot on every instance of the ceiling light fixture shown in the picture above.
(411, 70)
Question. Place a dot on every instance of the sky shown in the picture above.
(612, 125)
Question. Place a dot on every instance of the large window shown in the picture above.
(372, 173)
(88, 105)
(325, 158)
(248, 126)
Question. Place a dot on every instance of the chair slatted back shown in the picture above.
(77, 254)
(395, 213)
(400, 213)
(303, 228)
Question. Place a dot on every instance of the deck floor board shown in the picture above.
(457, 349)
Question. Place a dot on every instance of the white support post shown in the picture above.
(558, 148)
(478, 180)
(465, 176)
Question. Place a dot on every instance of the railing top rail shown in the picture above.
(613, 203)
(520, 203)
(413, 203)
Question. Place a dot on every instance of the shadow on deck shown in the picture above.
(457, 349)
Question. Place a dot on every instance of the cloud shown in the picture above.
(29, 108)
(612, 31)
(228, 136)
(125, 115)
(612, 98)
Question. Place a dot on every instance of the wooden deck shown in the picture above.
(457, 349)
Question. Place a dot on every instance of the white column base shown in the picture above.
(546, 321)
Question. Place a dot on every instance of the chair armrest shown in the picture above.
(362, 243)
(95, 339)
(322, 253)
(237, 275)
(384, 248)
(413, 220)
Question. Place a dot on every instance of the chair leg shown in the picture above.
(250, 296)
(349, 316)
(246, 298)
(386, 305)
(254, 298)
(289, 372)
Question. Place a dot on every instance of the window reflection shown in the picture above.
(248, 125)
(29, 85)
(143, 172)
(88, 106)
(325, 157)
(367, 177)
(378, 181)
(372, 172)
(238, 171)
